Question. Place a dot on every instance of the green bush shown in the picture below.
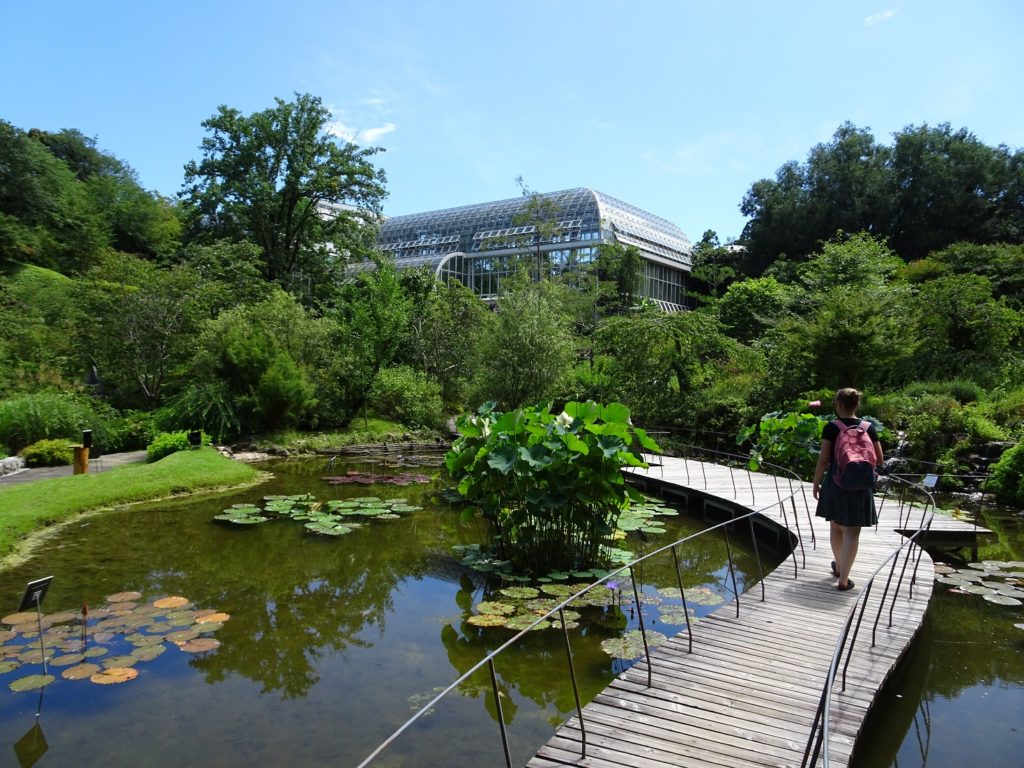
(407, 396)
(1007, 481)
(47, 415)
(167, 443)
(983, 428)
(1006, 409)
(48, 453)
(933, 424)
(206, 405)
(962, 390)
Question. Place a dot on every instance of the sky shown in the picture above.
(673, 106)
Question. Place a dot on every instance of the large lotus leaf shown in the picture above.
(631, 644)
(148, 652)
(487, 620)
(31, 682)
(1002, 599)
(80, 672)
(520, 593)
(8, 666)
(67, 660)
(502, 609)
(122, 597)
(114, 675)
(200, 645)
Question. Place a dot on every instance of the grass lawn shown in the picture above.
(30, 506)
(373, 430)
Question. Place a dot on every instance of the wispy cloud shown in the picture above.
(878, 18)
(359, 135)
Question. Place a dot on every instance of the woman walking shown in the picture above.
(851, 453)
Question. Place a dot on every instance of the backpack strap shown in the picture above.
(864, 424)
(839, 425)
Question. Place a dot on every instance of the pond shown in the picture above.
(328, 643)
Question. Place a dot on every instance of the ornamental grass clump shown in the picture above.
(550, 484)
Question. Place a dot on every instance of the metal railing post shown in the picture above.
(501, 717)
(575, 687)
(643, 629)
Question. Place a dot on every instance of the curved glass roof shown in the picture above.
(581, 214)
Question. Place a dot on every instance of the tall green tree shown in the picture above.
(280, 179)
(712, 266)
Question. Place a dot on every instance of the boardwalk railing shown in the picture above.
(785, 495)
(846, 643)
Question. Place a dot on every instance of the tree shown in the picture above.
(712, 265)
(750, 307)
(279, 179)
(541, 215)
(528, 348)
(618, 269)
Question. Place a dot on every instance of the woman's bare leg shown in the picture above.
(848, 551)
(835, 537)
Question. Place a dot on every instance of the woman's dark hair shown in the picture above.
(848, 397)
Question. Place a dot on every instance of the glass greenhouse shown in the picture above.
(481, 244)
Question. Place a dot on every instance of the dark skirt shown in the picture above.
(852, 508)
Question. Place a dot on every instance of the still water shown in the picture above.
(331, 643)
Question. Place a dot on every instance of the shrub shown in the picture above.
(1006, 409)
(788, 439)
(206, 405)
(407, 396)
(47, 415)
(48, 453)
(1007, 481)
(933, 424)
(962, 390)
(167, 443)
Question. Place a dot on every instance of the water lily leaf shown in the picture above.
(943, 568)
(19, 618)
(523, 621)
(209, 626)
(519, 593)
(122, 597)
(7, 634)
(703, 596)
(31, 682)
(80, 672)
(329, 529)
(141, 641)
(8, 666)
(114, 676)
(35, 656)
(674, 614)
(183, 636)
(1002, 599)
(148, 652)
(120, 662)
(67, 660)
(487, 620)
(200, 645)
(175, 601)
(977, 589)
(62, 617)
(212, 618)
(102, 637)
(503, 609)
(670, 593)
(631, 645)
(94, 651)
(557, 590)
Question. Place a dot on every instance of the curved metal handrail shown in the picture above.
(818, 738)
(488, 660)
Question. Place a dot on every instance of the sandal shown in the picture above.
(835, 570)
(849, 586)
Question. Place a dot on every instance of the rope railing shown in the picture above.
(845, 645)
(631, 568)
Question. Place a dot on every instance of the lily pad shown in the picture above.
(183, 636)
(523, 621)
(175, 601)
(487, 620)
(8, 666)
(31, 682)
(115, 662)
(1002, 599)
(703, 596)
(81, 672)
(492, 607)
(122, 597)
(200, 645)
(631, 644)
(207, 618)
(67, 660)
(519, 593)
(148, 652)
(114, 676)
(93, 652)
(19, 618)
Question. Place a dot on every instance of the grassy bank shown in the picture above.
(25, 508)
(371, 431)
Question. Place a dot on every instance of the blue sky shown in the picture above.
(676, 107)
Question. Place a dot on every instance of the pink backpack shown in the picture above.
(853, 466)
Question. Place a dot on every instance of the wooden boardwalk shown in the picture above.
(747, 694)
